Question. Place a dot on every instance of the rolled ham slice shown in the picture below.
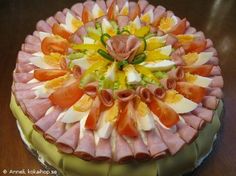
(51, 21)
(190, 30)
(106, 98)
(125, 95)
(171, 39)
(81, 32)
(123, 152)
(193, 121)
(187, 133)
(89, 4)
(204, 113)
(36, 108)
(148, 7)
(22, 77)
(168, 83)
(134, 10)
(103, 6)
(43, 124)
(25, 86)
(216, 71)
(209, 43)
(91, 89)
(67, 143)
(144, 93)
(177, 74)
(60, 17)
(159, 13)
(86, 146)
(30, 48)
(210, 102)
(217, 81)
(139, 149)
(156, 146)
(103, 150)
(24, 94)
(157, 91)
(142, 4)
(24, 68)
(55, 131)
(172, 140)
(23, 57)
(32, 40)
(78, 9)
(217, 92)
(122, 21)
(213, 61)
(211, 49)
(120, 3)
(43, 26)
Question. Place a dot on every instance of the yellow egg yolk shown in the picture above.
(190, 58)
(142, 109)
(146, 18)
(57, 82)
(172, 96)
(76, 23)
(124, 11)
(112, 113)
(166, 24)
(190, 77)
(53, 59)
(185, 38)
(154, 43)
(84, 103)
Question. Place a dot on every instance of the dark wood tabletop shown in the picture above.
(216, 18)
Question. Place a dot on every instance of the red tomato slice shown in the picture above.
(197, 45)
(202, 70)
(126, 124)
(54, 44)
(94, 114)
(48, 74)
(86, 15)
(111, 13)
(191, 91)
(59, 30)
(166, 115)
(65, 97)
(179, 28)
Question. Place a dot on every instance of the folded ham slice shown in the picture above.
(158, 92)
(23, 57)
(36, 108)
(22, 77)
(120, 3)
(134, 10)
(103, 150)
(203, 113)
(213, 61)
(78, 9)
(32, 40)
(103, 6)
(177, 74)
(155, 144)
(24, 86)
(216, 71)
(168, 83)
(24, 94)
(190, 30)
(24, 68)
(67, 143)
(142, 4)
(55, 131)
(122, 21)
(43, 26)
(43, 124)
(171, 139)
(106, 98)
(123, 152)
(51, 21)
(30, 48)
(193, 121)
(171, 39)
(187, 133)
(148, 7)
(144, 93)
(125, 95)
(217, 81)
(210, 102)
(217, 92)
(86, 146)
(159, 13)
(211, 49)
(209, 43)
(60, 17)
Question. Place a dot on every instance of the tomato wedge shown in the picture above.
(111, 14)
(202, 70)
(166, 115)
(191, 91)
(65, 97)
(179, 28)
(94, 114)
(54, 44)
(48, 74)
(126, 124)
(198, 45)
(61, 31)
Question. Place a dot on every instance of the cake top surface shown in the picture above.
(118, 80)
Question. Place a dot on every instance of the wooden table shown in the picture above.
(216, 18)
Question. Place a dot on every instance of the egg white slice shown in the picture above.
(111, 72)
(88, 40)
(82, 126)
(43, 35)
(125, 9)
(82, 62)
(40, 54)
(148, 17)
(97, 11)
(104, 128)
(184, 105)
(136, 23)
(132, 76)
(107, 27)
(39, 62)
(69, 23)
(166, 50)
(202, 81)
(159, 66)
(42, 92)
(146, 123)
(71, 115)
(203, 58)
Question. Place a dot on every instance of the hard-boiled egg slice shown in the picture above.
(78, 111)
(38, 54)
(159, 65)
(40, 62)
(42, 92)
(125, 9)
(108, 28)
(166, 50)
(147, 17)
(133, 77)
(43, 35)
(178, 102)
(144, 117)
(72, 23)
(185, 38)
(136, 23)
(88, 40)
(155, 43)
(167, 23)
(198, 80)
(82, 62)
(82, 127)
(111, 72)
(203, 58)
(97, 11)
